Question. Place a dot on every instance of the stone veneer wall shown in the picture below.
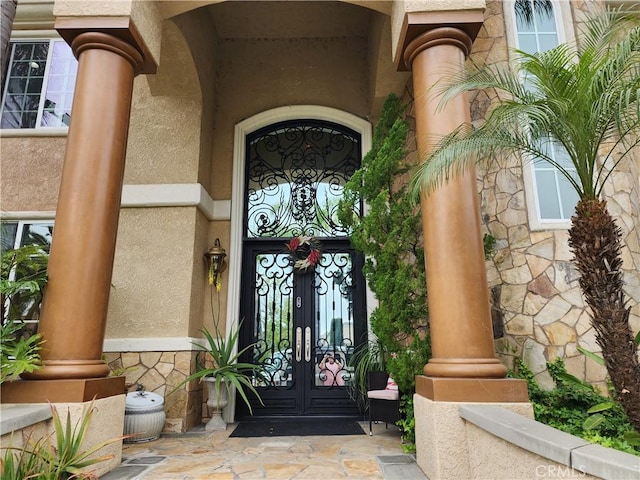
(533, 283)
(159, 372)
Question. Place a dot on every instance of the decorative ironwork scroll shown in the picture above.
(334, 328)
(273, 326)
(296, 172)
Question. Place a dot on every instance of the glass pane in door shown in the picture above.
(273, 324)
(333, 320)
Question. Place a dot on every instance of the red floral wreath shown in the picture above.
(305, 252)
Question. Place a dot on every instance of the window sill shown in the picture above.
(537, 226)
(33, 132)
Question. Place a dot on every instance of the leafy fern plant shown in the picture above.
(19, 353)
(23, 277)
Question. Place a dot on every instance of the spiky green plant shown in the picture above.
(226, 368)
(586, 99)
(368, 357)
(222, 354)
(44, 459)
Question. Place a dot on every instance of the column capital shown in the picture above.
(104, 41)
(437, 36)
(119, 28)
(422, 30)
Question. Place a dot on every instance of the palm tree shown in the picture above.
(585, 99)
(525, 9)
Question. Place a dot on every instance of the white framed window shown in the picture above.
(39, 87)
(553, 199)
(16, 234)
(555, 196)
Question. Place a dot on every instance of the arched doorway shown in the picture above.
(304, 323)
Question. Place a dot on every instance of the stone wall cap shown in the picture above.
(17, 416)
(523, 432)
(605, 462)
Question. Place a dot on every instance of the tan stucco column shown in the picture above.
(460, 321)
(81, 261)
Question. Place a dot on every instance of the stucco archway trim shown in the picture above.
(242, 129)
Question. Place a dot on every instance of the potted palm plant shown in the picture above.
(221, 371)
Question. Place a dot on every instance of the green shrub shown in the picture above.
(23, 277)
(407, 424)
(567, 408)
(19, 353)
(389, 235)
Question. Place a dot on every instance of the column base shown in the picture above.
(465, 368)
(67, 369)
(61, 391)
(472, 389)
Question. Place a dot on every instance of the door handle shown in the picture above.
(298, 344)
(307, 344)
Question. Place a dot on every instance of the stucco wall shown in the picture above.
(202, 44)
(152, 273)
(257, 75)
(30, 172)
(164, 137)
(165, 128)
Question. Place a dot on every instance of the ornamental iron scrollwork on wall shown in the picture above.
(296, 172)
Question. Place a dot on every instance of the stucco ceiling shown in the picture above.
(289, 19)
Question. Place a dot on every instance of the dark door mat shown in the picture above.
(302, 428)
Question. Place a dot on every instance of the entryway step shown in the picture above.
(400, 467)
(132, 468)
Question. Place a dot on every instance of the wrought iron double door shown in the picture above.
(304, 328)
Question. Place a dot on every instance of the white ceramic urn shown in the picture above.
(143, 416)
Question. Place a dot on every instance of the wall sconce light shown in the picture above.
(215, 259)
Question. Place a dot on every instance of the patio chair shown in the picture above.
(384, 400)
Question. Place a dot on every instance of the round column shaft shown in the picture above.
(460, 320)
(81, 261)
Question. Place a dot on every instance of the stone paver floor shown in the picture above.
(215, 456)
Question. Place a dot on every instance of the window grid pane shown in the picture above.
(555, 197)
(24, 84)
(39, 67)
(60, 84)
(546, 188)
